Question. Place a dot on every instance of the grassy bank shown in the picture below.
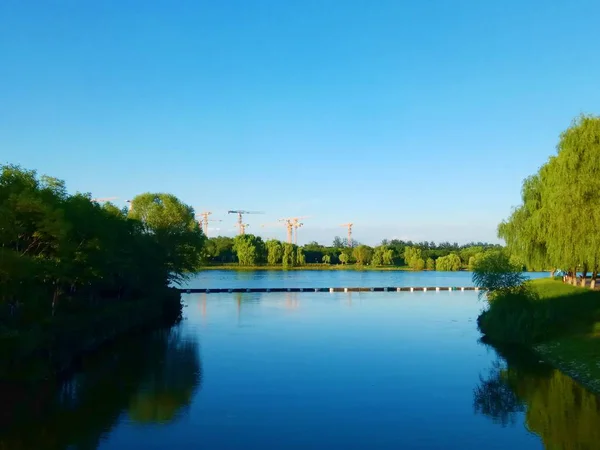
(55, 344)
(560, 322)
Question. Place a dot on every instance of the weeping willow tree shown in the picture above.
(558, 223)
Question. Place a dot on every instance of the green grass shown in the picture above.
(561, 323)
(548, 288)
(577, 356)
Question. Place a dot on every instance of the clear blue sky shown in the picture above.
(412, 119)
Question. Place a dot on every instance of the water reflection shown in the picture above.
(150, 378)
(556, 408)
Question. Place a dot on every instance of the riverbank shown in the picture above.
(562, 325)
(53, 346)
(325, 267)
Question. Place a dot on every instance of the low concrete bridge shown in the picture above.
(326, 289)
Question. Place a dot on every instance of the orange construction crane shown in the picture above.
(204, 222)
(349, 225)
(293, 223)
(277, 224)
(241, 226)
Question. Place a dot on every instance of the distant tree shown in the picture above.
(362, 254)
(382, 255)
(338, 242)
(418, 264)
(220, 250)
(451, 262)
(248, 248)
(274, 252)
(313, 251)
(414, 259)
(326, 259)
(289, 255)
(300, 260)
(430, 264)
(344, 258)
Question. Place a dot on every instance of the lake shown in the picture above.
(380, 370)
(211, 279)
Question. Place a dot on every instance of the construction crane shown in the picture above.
(204, 222)
(101, 200)
(295, 224)
(240, 224)
(349, 225)
(287, 224)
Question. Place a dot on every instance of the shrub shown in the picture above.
(494, 272)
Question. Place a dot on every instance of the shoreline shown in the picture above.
(312, 267)
(52, 351)
(561, 326)
(577, 369)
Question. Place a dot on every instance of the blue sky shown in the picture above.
(411, 119)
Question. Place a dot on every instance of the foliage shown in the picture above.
(219, 251)
(362, 254)
(413, 258)
(547, 309)
(556, 225)
(274, 252)
(382, 256)
(495, 272)
(63, 254)
(430, 264)
(451, 262)
(249, 249)
(289, 253)
(173, 226)
(344, 258)
(326, 259)
(300, 260)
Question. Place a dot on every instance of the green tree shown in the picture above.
(326, 259)
(344, 258)
(174, 227)
(451, 262)
(289, 255)
(556, 224)
(414, 259)
(300, 260)
(362, 254)
(430, 264)
(249, 249)
(382, 255)
(495, 272)
(274, 252)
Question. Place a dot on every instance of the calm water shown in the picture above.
(331, 278)
(311, 370)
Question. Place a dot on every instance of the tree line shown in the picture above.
(557, 224)
(251, 250)
(62, 254)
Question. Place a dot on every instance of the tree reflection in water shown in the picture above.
(152, 378)
(564, 414)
